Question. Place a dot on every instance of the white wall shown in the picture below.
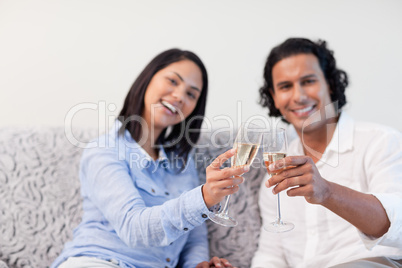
(57, 54)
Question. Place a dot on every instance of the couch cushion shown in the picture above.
(39, 194)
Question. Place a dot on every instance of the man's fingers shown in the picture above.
(288, 161)
(287, 183)
(297, 191)
(285, 174)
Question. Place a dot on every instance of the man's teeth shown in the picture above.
(169, 106)
(307, 109)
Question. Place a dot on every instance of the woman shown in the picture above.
(142, 203)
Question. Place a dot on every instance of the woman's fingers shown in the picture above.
(222, 182)
(230, 182)
(218, 162)
(215, 261)
(203, 264)
(230, 172)
(226, 263)
(219, 262)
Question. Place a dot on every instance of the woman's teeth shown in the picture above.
(169, 106)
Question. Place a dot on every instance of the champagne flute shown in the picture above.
(274, 149)
(247, 142)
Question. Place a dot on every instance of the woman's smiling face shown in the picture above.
(301, 91)
(172, 94)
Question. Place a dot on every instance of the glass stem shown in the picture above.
(279, 219)
(225, 208)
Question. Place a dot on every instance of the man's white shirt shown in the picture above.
(362, 156)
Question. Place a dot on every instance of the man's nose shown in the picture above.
(299, 94)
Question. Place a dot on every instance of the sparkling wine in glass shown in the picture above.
(247, 142)
(274, 149)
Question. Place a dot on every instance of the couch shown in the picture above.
(40, 201)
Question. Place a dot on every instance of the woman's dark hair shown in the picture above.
(336, 78)
(134, 104)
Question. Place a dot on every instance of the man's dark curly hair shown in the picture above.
(336, 78)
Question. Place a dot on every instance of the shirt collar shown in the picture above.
(342, 139)
(162, 157)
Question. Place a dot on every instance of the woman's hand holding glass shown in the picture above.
(244, 150)
(222, 182)
(215, 262)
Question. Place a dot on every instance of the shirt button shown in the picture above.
(185, 229)
(153, 190)
(204, 216)
(168, 259)
(166, 193)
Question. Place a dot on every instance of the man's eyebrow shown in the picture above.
(282, 83)
(308, 76)
(181, 78)
(303, 77)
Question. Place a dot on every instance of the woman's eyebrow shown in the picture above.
(193, 87)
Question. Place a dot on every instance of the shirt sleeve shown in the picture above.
(269, 253)
(384, 172)
(196, 249)
(107, 183)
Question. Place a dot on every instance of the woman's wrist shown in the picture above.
(208, 202)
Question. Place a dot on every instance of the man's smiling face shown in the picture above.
(300, 90)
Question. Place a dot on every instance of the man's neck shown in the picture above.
(315, 141)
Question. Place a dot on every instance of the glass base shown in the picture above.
(279, 227)
(222, 219)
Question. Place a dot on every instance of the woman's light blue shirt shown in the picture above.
(137, 211)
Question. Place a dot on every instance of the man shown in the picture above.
(343, 178)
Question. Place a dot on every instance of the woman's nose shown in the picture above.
(178, 94)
